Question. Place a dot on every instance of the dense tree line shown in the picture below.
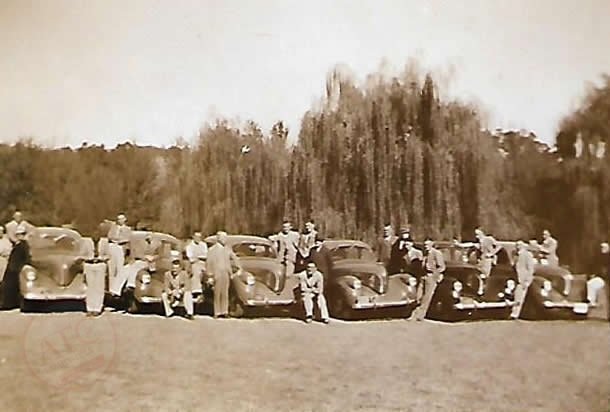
(390, 150)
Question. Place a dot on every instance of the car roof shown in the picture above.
(163, 237)
(233, 239)
(335, 243)
(56, 231)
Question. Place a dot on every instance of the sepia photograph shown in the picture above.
(308, 206)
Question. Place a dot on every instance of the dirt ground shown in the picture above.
(65, 361)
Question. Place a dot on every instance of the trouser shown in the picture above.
(197, 271)
(95, 276)
(221, 294)
(3, 263)
(594, 285)
(321, 301)
(289, 268)
(520, 294)
(117, 259)
(430, 283)
(126, 275)
(567, 282)
(485, 266)
(169, 302)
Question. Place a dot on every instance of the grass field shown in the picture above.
(118, 362)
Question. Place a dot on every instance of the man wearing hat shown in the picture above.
(177, 289)
(220, 263)
(312, 287)
(19, 257)
(434, 264)
(197, 254)
(384, 245)
(400, 249)
(524, 266)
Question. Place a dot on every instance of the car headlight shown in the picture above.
(146, 278)
(510, 285)
(412, 282)
(30, 275)
(457, 286)
(357, 284)
(465, 258)
(250, 281)
(547, 286)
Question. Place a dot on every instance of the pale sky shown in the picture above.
(107, 71)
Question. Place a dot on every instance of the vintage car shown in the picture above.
(150, 280)
(356, 286)
(56, 270)
(261, 284)
(464, 295)
(555, 293)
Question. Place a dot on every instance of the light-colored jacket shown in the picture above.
(11, 229)
(524, 266)
(434, 262)
(313, 283)
(221, 261)
(288, 245)
(196, 251)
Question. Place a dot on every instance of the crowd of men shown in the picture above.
(124, 256)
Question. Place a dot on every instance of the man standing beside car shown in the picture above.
(17, 222)
(5, 251)
(19, 257)
(524, 266)
(399, 251)
(434, 264)
(311, 284)
(220, 262)
(197, 254)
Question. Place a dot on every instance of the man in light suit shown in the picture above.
(119, 236)
(524, 265)
(312, 287)
(177, 290)
(434, 264)
(17, 222)
(220, 264)
(384, 245)
(197, 254)
(548, 249)
(288, 246)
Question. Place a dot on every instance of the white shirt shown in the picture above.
(196, 251)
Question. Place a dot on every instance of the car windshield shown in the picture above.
(456, 254)
(358, 252)
(253, 249)
(54, 242)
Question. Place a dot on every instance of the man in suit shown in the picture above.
(524, 266)
(19, 257)
(288, 246)
(5, 250)
(220, 263)
(602, 281)
(399, 250)
(384, 245)
(489, 249)
(434, 265)
(312, 288)
(177, 289)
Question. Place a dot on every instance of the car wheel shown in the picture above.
(133, 306)
(236, 308)
(342, 310)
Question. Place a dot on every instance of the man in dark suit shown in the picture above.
(400, 249)
(19, 257)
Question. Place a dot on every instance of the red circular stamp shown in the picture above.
(73, 351)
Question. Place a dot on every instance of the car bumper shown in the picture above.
(55, 295)
(364, 303)
(268, 302)
(576, 307)
(483, 305)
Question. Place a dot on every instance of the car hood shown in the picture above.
(266, 271)
(61, 268)
(370, 274)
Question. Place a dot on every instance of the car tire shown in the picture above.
(25, 305)
(236, 308)
(342, 310)
(133, 306)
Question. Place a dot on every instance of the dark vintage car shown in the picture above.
(261, 284)
(56, 272)
(461, 295)
(150, 280)
(356, 286)
(555, 293)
